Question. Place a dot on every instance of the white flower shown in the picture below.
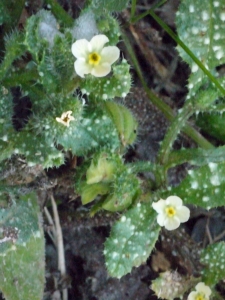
(92, 57)
(171, 212)
(203, 292)
(65, 118)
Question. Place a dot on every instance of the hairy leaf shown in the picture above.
(201, 26)
(131, 240)
(204, 187)
(213, 257)
(21, 250)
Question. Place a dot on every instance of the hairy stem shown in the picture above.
(173, 132)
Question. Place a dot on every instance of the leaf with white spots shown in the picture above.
(204, 187)
(213, 257)
(22, 275)
(117, 85)
(95, 130)
(201, 26)
(196, 156)
(131, 240)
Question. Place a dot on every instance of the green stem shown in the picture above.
(163, 107)
(142, 166)
(147, 166)
(133, 8)
(187, 50)
(60, 13)
(141, 16)
(173, 132)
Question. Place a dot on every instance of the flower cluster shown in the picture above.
(92, 57)
(171, 212)
(202, 292)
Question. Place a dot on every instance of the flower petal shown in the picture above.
(183, 213)
(159, 206)
(110, 54)
(192, 296)
(161, 219)
(98, 42)
(80, 48)
(101, 70)
(82, 68)
(201, 287)
(174, 201)
(172, 223)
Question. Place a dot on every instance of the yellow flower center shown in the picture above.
(200, 296)
(170, 211)
(94, 59)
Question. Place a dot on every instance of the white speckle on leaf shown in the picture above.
(190, 86)
(194, 68)
(114, 254)
(123, 219)
(217, 191)
(215, 180)
(194, 185)
(191, 8)
(205, 199)
(195, 30)
(205, 16)
(212, 166)
(222, 16)
(219, 54)
(215, 48)
(206, 41)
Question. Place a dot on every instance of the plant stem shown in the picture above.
(163, 107)
(173, 132)
(141, 16)
(60, 13)
(60, 245)
(133, 8)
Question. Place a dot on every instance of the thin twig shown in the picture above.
(51, 223)
(60, 245)
(208, 232)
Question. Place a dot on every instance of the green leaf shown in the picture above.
(213, 257)
(118, 85)
(37, 149)
(22, 273)
(204, 187)
(131, 240)
(201, 26)
(197, 157)
(123, 120)
(90, 191)
(95, 130)
(213, 124)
